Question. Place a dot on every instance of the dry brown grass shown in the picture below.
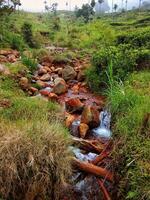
(34, 161)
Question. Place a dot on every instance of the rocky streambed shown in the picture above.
(89, 125)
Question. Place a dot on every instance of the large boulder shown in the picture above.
(60, 86)
(74, 105)
(68, 73)
(90, 116)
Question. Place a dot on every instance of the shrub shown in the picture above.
(139, 38)
(122, 62)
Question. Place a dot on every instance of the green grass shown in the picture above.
(130, 105)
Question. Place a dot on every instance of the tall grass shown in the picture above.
(130, 108)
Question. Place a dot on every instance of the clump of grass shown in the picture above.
(30, 63)
(34, 161)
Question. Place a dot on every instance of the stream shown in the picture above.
(75, 99)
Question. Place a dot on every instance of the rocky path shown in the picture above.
(86, 119)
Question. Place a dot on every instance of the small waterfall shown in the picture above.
(103, 131)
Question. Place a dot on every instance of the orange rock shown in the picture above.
(90, 116)
(52, 97)
(73, 105)
(44, 92)
(69, 120)
(33, 89)
(83, 129)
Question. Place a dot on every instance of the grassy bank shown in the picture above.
(130, 107)
(34, 156)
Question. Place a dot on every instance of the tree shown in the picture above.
(115, 7)
(93, 3)
(100, 2)
(86, 11)
(126, 4)
(8, 6)
(16, 3)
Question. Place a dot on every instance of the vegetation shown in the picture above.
(31, 128)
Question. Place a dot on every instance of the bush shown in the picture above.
(121, 58)
(139, 38)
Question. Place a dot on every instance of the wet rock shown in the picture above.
(52, 97)
(90, 188)
(44, 92)
(83, 129)
(74, 128)
(60, 86)
(69, 120)
(90, 116)
(68, 73)
(24, 83)
(74, 105)
(81, 76)
(45, 77)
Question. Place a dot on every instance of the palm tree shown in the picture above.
(100, 2)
